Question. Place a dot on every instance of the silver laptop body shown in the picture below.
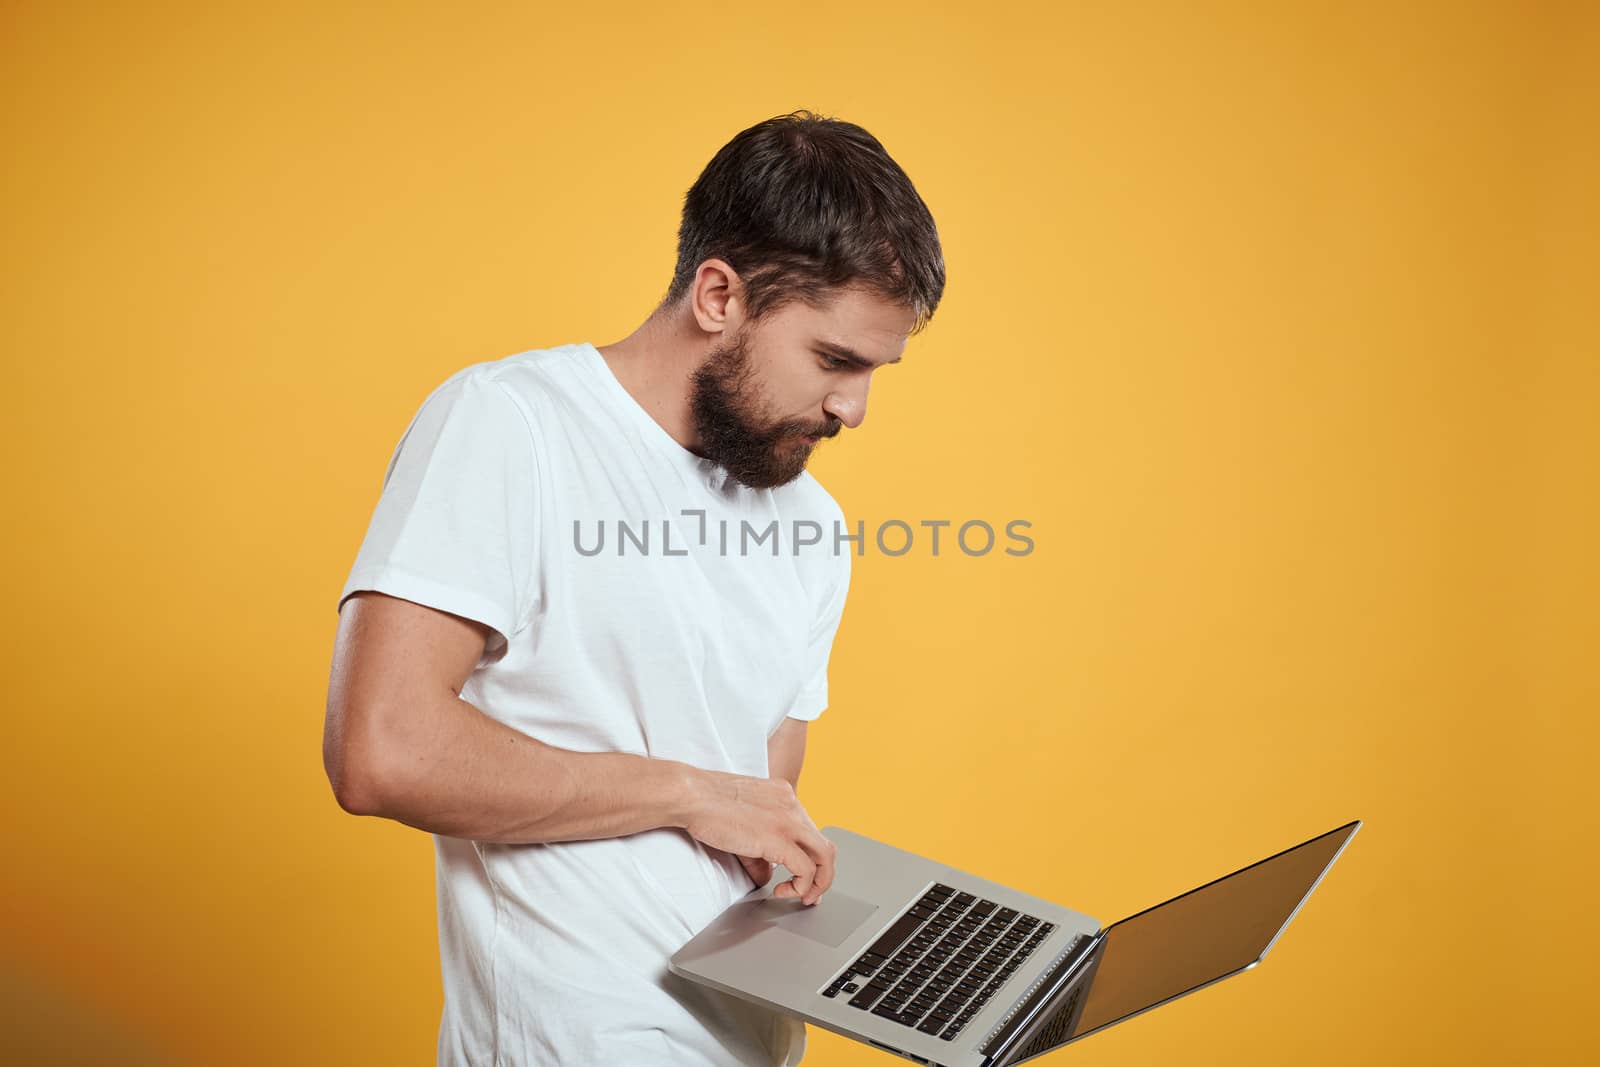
(943, 967)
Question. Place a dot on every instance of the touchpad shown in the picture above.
(834, 917)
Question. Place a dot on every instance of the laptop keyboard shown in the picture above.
(941, 961)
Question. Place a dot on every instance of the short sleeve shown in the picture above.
(813, 696)
(454, 525)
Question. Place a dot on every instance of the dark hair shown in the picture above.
(801, 205)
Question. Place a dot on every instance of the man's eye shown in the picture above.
(831, 362)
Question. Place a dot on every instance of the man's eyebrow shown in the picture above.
(850, 355)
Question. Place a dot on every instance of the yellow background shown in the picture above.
(1275, 320)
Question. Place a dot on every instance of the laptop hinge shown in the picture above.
(1002, 1038)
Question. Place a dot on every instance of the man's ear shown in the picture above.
(717, 297)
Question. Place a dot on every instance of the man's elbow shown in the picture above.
(356, 772)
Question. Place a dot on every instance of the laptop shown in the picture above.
(946, 968)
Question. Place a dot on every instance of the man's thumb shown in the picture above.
(757, 868)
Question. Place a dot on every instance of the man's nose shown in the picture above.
(848, 403)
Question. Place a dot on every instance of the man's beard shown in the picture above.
(727, 407)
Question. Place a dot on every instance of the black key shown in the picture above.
(896, 935)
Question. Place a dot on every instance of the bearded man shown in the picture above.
(606, 746)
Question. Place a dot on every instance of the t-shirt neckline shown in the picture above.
(650, 431)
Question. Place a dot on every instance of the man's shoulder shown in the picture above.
(534, 373)
(535, 381)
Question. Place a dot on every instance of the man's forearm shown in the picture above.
(458, 772)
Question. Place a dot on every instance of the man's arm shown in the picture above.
(786, 750)
(399, 742)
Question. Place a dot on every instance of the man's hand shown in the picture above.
(759, 871)
(761, 821)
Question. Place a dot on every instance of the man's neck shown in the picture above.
(655, 364)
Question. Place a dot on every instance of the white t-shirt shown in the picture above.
(689, 635)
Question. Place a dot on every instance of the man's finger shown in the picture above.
(821, 851)
(759, 870)
(803, 869)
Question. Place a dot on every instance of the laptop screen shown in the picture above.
(1190, 941)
